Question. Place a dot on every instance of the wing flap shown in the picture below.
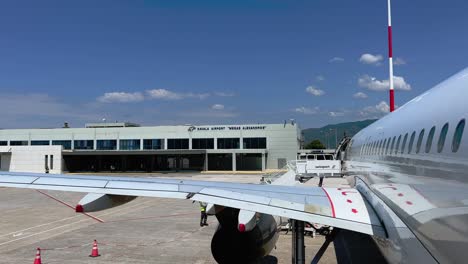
(326, 206)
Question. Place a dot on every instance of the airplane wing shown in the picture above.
(338, 207)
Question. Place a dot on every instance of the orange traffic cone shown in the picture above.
(38, 260)
(94, 252)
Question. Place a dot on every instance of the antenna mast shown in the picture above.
(390, 58)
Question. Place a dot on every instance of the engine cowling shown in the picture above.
(93, 202)
(229, 245)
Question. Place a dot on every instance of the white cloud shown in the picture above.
(306, 110)
(225, 94)
(29, 110)
(373, 84)
(121, 97)
(320, 78)
(371, 59)
(399, 61)
(217, 107)
(360, 95)
(169, 95)
(315, 91)
(209, 114)
(376, 110)
(336, 114)
(336, 59)
(163, 94)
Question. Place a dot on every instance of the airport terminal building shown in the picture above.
(127, 147)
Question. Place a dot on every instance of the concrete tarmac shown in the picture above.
(146, 230)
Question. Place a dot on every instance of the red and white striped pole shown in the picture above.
(390, 58)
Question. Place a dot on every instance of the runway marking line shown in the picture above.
(58, 227)
(29, 228)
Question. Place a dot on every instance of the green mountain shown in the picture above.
(327, 133)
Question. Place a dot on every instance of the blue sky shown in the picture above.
(219, 62)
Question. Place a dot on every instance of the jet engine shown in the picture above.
(229, 245)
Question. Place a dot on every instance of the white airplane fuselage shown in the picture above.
(416, 161)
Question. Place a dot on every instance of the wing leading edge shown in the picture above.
(338, 207)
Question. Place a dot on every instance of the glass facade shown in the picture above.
(83, 144)
(106, 144)
(40, 142)
(254, 143)
(66, 144)
(153, 144)
(228, 143)
(129, 144)
(202, 143)
(178, 143)
(18, 143)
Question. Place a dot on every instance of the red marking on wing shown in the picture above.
(354, 211)
(331, 203)
(400, 194)
(409, 203)
(346, 192)
(349, 201)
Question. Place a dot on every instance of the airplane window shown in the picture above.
(457, 137)
(410, 145)
(397, 145)
(383, 147)
(430, 137)
(403, 146)
(420, 138)
(388, 145)
(443, 135)
(393, 145)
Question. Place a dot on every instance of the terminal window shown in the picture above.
(83, 144)
(40, 142)
(254, 143)
(202, 143)
(66, 144)
(107, 144)
(178, 143)
(152, 144)
(228, 143)
(18, 143)
(129, 144)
